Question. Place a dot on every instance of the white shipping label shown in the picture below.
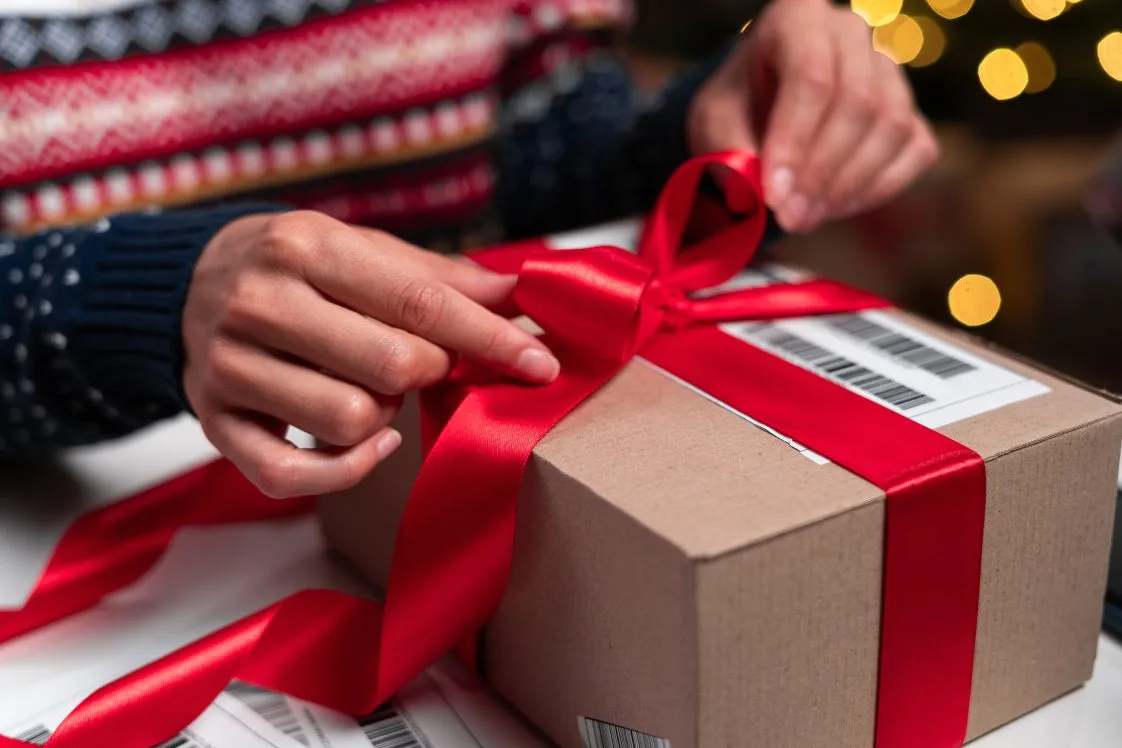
(597, 734)
(214, 728)
(441, 709)
(887, 360)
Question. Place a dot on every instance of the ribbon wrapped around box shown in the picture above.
(451, 559)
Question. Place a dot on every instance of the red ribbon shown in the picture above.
(599, 307)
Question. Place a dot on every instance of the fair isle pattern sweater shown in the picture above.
(131, 133)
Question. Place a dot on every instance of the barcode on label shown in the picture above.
(38, 735)
(388, 728)
(901, 346)
(596, 734)
(842, 369)
(272, 707)
(181, 741)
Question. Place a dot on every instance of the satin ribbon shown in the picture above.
(600, 307)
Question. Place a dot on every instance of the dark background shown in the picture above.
(1028, 193)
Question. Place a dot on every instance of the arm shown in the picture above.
(595, 152)
(90, 343)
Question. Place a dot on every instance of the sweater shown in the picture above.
(130, 135)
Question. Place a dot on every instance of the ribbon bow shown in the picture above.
(452, 555)
(607, 302)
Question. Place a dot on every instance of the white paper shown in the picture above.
(214, 728)
(446, 707)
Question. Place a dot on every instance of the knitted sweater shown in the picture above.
(130, 135)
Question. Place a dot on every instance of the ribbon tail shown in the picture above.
(114, 546)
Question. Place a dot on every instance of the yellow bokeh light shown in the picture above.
(877, 12)
(1003, 74)
(974, 300)
(901, 39)
(746, 25)
(1041, 68)
(934, 42)
(951, 8)
(1110, 54)
(1045, 10)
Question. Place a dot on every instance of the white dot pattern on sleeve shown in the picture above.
(35, 372)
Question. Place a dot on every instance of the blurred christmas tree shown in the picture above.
(1009, 67)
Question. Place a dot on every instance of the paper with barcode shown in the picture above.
(880, 357)
(215, 728)
(444, 708)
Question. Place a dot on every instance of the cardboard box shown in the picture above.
(683, 573)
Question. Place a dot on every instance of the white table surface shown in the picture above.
(213, 576)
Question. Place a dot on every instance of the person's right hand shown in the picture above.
(298, 319)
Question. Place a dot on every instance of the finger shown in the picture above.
(477, 283)
(282, 470)
(853, 109)
(331, 410)
(921, 151)
(358, 349)
(804, 63)
(884, 143)
(379, 287)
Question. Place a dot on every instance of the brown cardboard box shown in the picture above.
(685, 574)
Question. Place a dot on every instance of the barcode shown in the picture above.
(844, 370)
(387, 728)
(181, 741)
(272, 707)
(901, 346)
(598, 734)
(38, 735)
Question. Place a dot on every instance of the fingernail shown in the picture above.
(388, 443)
(796, 210)
(538, 364)
(782, 180)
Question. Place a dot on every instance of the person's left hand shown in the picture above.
(832, 119)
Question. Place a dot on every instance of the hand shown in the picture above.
(298, 319)
(833, 120)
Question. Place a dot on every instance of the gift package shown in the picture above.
(684, 575)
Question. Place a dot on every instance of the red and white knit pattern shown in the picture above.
(252, 164)
(373, 59)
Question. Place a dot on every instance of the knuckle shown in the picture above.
(394, 365)
(248, 305)
(898, 124)
(861, 101)
(289, 240)
(814, 76)
(421, 306)
(276, 476)
(496, 338)
(221, 369)
(353, 419)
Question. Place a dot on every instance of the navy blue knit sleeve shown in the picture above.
(90, 342)
(583, 146)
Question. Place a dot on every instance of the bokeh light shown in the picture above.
(1110, 54)
(877, 12)
(951, 8)
(1040, 65)
(1003, 74)
(1045, 10)
(934, 42)
(974, 300)
(901, 39)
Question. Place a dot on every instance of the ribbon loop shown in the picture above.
(587, 298)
